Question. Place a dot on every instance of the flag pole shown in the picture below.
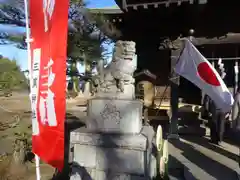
(28, 40)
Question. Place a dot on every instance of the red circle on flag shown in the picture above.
(207, 74)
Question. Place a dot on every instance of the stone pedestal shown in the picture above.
(114, 144)
(101, 156)
(114, 115)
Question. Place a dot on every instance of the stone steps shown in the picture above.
(176, 174)
(190, 130)
(190, 124)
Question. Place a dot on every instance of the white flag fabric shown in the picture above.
(193, 66)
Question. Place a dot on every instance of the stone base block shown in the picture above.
(83, 136)
(114, 115)
(93, 174)
(122, 155)
(113, 159)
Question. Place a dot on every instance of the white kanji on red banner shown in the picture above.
(34, 89)
(46, 104)
(48, 8)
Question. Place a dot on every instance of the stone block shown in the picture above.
(93, 174)
(100, 175)
(114, 115)
(112, 159)
(105, 156)
(121, 160)
(85, 156)
(84, 136)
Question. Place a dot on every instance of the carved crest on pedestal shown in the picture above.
(110, 113)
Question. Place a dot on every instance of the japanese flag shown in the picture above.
(193, 66)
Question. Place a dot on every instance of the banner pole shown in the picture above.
(28, 40)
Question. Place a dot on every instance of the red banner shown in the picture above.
(48, 26)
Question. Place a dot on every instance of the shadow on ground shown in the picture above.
(176, 172)
(202, 163)
(216, 148)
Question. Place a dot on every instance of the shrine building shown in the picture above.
(157, 25)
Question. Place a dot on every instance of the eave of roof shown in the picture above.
(230, 38)
(107, 10)
(126, 5)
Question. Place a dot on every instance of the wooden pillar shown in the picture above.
(174, 85)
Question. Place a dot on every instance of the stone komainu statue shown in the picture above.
(117, 78)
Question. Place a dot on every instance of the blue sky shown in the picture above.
(100, 3)
(20, 56)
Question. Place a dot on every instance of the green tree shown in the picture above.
(11, 77)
